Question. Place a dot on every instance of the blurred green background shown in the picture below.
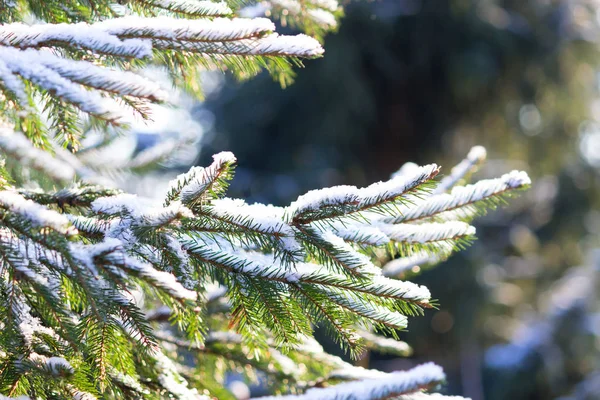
(423, 81)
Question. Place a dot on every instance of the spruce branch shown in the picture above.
(391, 386)
(475, 157)
(385, 345)
(93, 66)
(466, 202)
(400, 266)
(315, 17)
(196, 8)
(129, 268)
(323, 204)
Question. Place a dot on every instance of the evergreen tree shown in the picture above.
(515, 76)
(107, 295)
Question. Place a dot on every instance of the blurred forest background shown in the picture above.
(423, 81)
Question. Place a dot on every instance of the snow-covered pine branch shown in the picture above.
(197, 8)
(386, 345)
(399, 266)
(315, 17)
(331, 203)
(93, 67)
(39, 216)
(15, 145)
(105, 294)
(465, 202)
(140, 264)
(475, 157)
(391, 386)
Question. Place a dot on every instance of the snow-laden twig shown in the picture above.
(430, 396)
(19, 147)
(476, 156)
(171, 379)
(385, 345)
(360, 233)
(177, 29)
(265, 267)
(302, 13)
(55, 365)
(399, 266)
(451, 204)
(27, 54)
(425, 233)
(36, 214)
(193, 7)
(392, 385)
(193, 186)
(83, 35)
(352, 199)
(112, 250)
(26, 64)
(348, 256)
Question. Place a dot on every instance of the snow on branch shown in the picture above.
(36, 214)
(56, 366)
(314, 16)
(463, 201)
(475, 156)
(265, 267)
(71, 61)
(28, 325)
(260, 219)
(172, 380)
(373, 312)
(394, 384)
(386, 345)
(141, 214)
(124, 83)
(364, 234)
(396, 188)
(199, 183)
(273, 45)
(13, 84)
(426, 233)
(345, 255)
(430, 396)
(343, 200)
(27, 65)
(132, 266)
(192, 7)
(112, 250)
(176, 29)
(82, 35)
(401, 265)
(19, 147)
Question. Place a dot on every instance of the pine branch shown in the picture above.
(323, 204)
(313, 17)
(201, 184)
(68, 78)
(429, 396)
(17, 146)
(400, 266)
(386, 345)
(88, 254)
(393, 385)
(196, 8)
(475, 157)
(466, 202)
